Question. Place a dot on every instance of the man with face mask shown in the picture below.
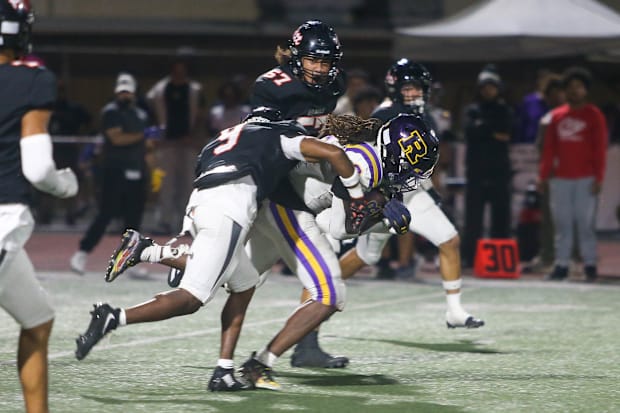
(124, 172)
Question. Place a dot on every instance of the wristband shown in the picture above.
(353, 185)
(356, 192)
(351, 181)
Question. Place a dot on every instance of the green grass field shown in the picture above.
(545, 348)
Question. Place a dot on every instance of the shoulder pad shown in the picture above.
(33, 64)
(385, 113)
(368, 163)
(275, 76)
(292, 126)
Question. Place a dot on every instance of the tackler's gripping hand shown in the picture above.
(396, 216)
(357, 214)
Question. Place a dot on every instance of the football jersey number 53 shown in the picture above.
(277, 76)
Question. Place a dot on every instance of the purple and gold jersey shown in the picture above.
(310, 180)
(23, 87)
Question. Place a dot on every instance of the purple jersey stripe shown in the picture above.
(372, 160)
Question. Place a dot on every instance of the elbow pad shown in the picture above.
(40, 170)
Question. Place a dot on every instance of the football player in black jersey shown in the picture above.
(408, 85)
(27, 93)
(311, 255)
(236, 171)
(305, 86)
(307, 82)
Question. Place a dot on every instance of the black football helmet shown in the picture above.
(404, 72)
(315, 39)
(409, 151)
(16, 18)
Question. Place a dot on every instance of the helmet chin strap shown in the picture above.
(320, 79)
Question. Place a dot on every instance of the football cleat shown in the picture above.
(591, 273)
(103, 320)
(470, 322)
(225, 380)
(127, 254)
(308, 353)
(258, 375)
(316, 357)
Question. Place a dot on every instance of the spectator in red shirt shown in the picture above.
(573, 163)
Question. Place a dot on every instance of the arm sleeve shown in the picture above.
(43, 90)
(292, 147)
(548, 152)
(40, 170)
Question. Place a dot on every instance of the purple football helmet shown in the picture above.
(409, 151)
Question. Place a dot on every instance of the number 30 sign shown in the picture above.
(497, 258)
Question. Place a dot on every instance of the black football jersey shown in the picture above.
(23, 87)
(279, 88)
(247, 149)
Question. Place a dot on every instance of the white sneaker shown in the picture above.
(78, 262)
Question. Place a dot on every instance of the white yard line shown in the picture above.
(216, 330)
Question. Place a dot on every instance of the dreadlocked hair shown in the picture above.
(350, 128)
(283, 56)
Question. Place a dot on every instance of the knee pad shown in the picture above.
(341, 294)
(337, 294)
